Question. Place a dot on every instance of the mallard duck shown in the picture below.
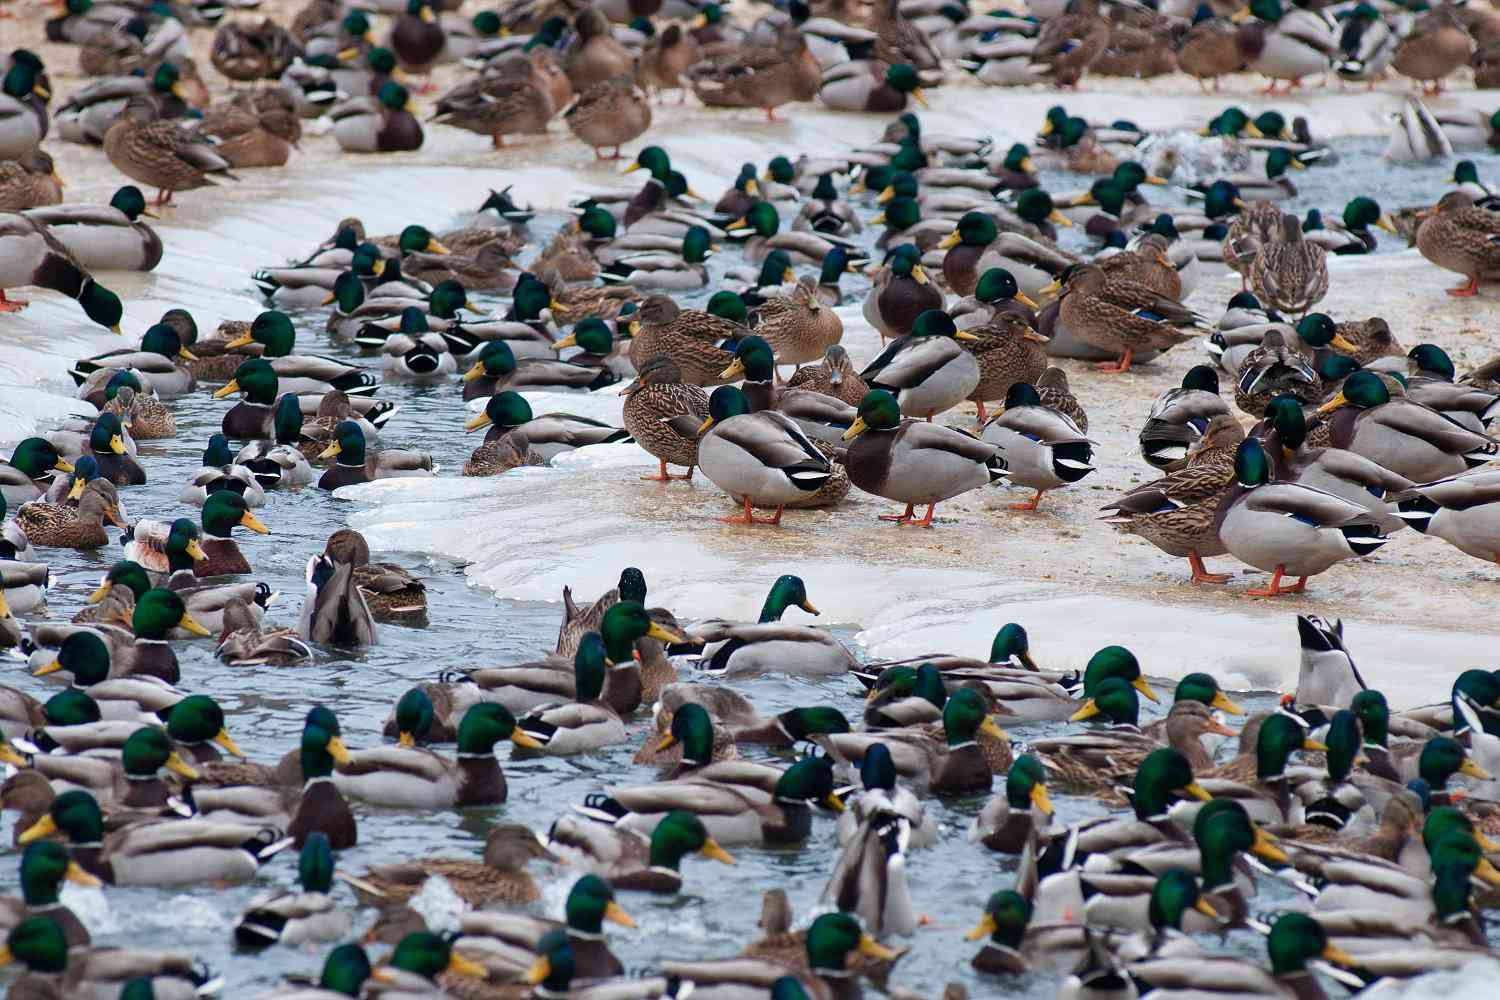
(28, 474)
(1405, 437)
(861, 85)
(32, 256)
(419, 960)
(222, 511)
(246, 50)
(1459, 510)
(158, 360)
(335, 609)
(41, 945)
(631, 861)
(769, 645)
(254, 129)
(609, 113)
(825, 964)
(1209, 50)
(690, 338)
(764, 460)
(590, 902)
(143, 411)
(1459, 236)
(354, 464)
(499, 877)
(662, 269)
(799, 328)
(950, 764)
(1120, 316)
(1290, 273)
(410, 777)
(748, 804)
(383, 123)
(506, 99)
(927, 371)
(84, 655)
(1008, 822)
(23, 587)
(764, 76)
(759, 229)
(161, 154)
(417, 37)
(835, 377)
(244, 642)
(1039, 448)
(29, 184)
(275, 463)
(904, 460)
(273, 333)
(1176, 513)
(666, 59)
(1275, 368)
(1286, 529)
(1366, 45)
(164, 548)
(664, 415)
(1434, 45)
(50, 525)
(307, 917)
(106, 444)
(44, 867)
(1295, 939)
(23, 115)
(586, 723)
(1180, 417)
(516, 437)
(595, 56)
(1285, 45)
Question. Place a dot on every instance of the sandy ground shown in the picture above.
(1420, 608)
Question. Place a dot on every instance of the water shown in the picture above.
(496, 552)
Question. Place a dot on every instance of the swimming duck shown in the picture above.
(112, 459)
(1040, 448)
(419, 959)
(148, 417)
(335, 609)
(29, 472)
(664, 415)
(158, 360)
(354, 464)
(1409, 439)
(84, 655)
(586, 723)
(44, 867)
(1120, 316)
(222, 511)
(164, 548)
(295, 918)
(158, 153)
(275, 463)
(1176, 512)
(827, 962)
(272, 330)
(950, 764)
(500, 877)
(244, 642)
(415, 351)
(382, 123)
(590, 902)
(665, 270)
(46, 524)
(41, 945)
(1457, 235)
(630, 860)
(1008, 822)
(760, 75)
(744, 649)
(1295, 940)
(1285, 45)
(1289, 529)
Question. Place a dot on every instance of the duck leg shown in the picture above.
(900, 518)
(663, 477)
(687, 478)
(498, 140)
(1117, 367)
(926, 521)
(1275, 589)
(1466, 291)
(11, 305)
(980, 404)
(1201, 573)
(1029, 504)
(749, 518)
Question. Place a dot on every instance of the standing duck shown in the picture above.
(1434, 46)
(914, 462)
(160, 153)
(1290, 274)
(1285, 45)
(799, 328)
(664, 415)
(1040, 448)
(595, 57)
(927, 371)
(609, 113)
(417, 39)
(1008, 351)
(46, 524)
(760, 75)
(1120, 316)
(1180, 417)
(1457, 235)
(763, 459)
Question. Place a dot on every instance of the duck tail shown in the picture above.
(996, 467)
(1362, 539)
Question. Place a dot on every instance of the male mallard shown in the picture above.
(516, 437)
(496, 371)
(355, 464)
(861, 85)
(667, 270)
(335, 609)
(1350, 234)
(413, 778)
(590, 902)
(609, 113)
(1289, 273)
(158, 359)
(825, 965)
(1295, 939)
(417, 37)
(30, 255)
(769, 645)
(764, 459)
(1008, 822)
(311, 916)
(950, 764)
(759, 229)
(1176, 512)
(1120, 316)
(23, 115)
(900, 293)
(50, 525)
(764, 76)
(107, 445)
(630, 860)
(586, 723)
(913, 462)
(45, 866)
(160, 153)
(1285, 45)
(278, 462)
(1462, 510)
(1366, 45)
(53, 969)
(1457, 235)
(273, 332)
(1286, 529)
(499, 877)
(1179, 417)
(419, 959)
(664, 415)
(507, 99)
(927, 371)
(1409, 439)
(29, 472)
(382, 123)
(222, 511)
(1039, 448)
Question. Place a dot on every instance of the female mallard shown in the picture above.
(507, 99)
(769, 645)
(664, 415)
(900, 293)
(1434, 45)
(913, 462)
(258, 129)
(1209, 50)
(586, 723)
(1121, 316)
(861, 85)
(666, 59)
(1176, 512)
(1457, 235)
(1290, 274)
(355, 464)
(835, 377)
(1180, 417)
(244, 642)
(764, 76)
(30, 183)
(143, 411)
(1287, 529)
(799, 328)
(953, 764)
(1009, 351)
(1285, 45)
(927, 371)
(222, 511)
(499, 877)
(825, 965)
(159, 153)
(595, 56)
(1409, 439)
(759, 229)
(631, 861)
(159, 359)
(609, 113)
(51, 525)
(764, 459)
(409, 777)
(245, 51)
(690, 338)
(379, 124)
(1039, 448)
